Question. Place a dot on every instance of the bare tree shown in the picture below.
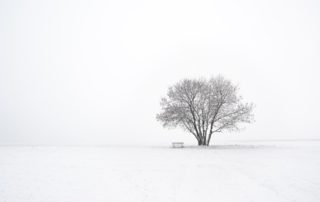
(203, 107)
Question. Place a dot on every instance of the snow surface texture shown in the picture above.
(268, 171)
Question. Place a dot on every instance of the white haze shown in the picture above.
(93, 72)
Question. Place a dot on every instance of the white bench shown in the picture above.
(177, 144)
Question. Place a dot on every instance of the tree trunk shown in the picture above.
(209, 138)
(202, 142)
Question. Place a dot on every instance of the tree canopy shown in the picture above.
(203, 107)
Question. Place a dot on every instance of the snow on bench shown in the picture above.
(177, 144)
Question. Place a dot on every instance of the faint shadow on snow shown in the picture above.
(232, 147)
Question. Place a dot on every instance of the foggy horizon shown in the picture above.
(93, 72)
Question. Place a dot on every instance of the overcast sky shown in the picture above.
(93, 72)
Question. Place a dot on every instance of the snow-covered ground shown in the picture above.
(243, 171)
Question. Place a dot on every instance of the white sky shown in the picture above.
(93, 72)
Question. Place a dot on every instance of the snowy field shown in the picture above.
(243, 171)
